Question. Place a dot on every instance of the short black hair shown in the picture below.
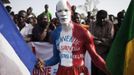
(101, 14)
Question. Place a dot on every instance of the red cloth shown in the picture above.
(74, 70)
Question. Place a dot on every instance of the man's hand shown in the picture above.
(40, 65)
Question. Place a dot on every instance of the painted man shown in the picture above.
(71, 41)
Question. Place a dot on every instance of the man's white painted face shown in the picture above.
(63, 12)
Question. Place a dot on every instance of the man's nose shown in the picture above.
(63, 13)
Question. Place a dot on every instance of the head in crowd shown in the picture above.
(22, 15)
(120, 15)
(101, 16)
(29, 10)
(30, 20)
(12, 15)
(89, 14)
(43, 21)
(77, 18)
(88, 18)
(73, 8)
(8, 8)
(22, 18)
(46, 7)
(63, 12)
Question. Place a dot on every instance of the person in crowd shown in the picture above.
(9, 8)
(41, 31)
(77, 19)
(27, 30)
(103, 32)
(53, 24)
(15, 19)
(12, 14)
(30, 13)
(73, 9)
(113, 19)
(46, 13)
(24, 27)
(22, 19)
(70, 42)
(88, 18)
(120, 18)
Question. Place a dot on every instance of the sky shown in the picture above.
(111, 6)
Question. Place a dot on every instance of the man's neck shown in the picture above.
(67, 27)
(46, 11)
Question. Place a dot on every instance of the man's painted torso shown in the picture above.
(71, 47)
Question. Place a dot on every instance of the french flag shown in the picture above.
(16, 58)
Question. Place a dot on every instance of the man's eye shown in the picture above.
(63, 10)
(66, 10)
(60, 11)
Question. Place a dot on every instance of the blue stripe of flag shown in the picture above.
(13, 36)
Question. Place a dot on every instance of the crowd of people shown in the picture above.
(43, 28)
